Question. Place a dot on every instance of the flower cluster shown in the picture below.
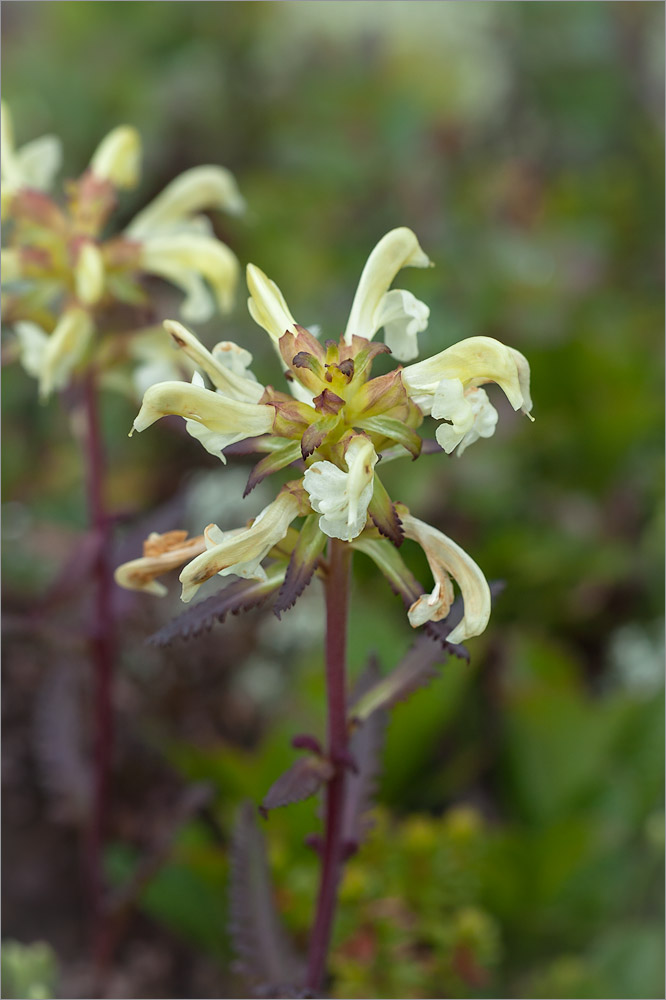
(334, 426)
(61, 272)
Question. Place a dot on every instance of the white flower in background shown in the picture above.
(177, 208)
(117, 159)
(59, 263)
(50, 359)
(342, 498)
(32, 166)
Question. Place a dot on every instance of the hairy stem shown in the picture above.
(102, 655)
(337, 601)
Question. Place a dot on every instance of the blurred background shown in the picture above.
(518, 844)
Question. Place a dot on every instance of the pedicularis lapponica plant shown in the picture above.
(335, 426)
(75, 296)
(331, 423)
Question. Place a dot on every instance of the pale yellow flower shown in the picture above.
(446, 559)
(398, 311)
(59, 263)
(241, 551)
(32, 166)
(342, 498)
(161, 553)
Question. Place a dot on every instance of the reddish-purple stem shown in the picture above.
(337, 601)
(102, 656)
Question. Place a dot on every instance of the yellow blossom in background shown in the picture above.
(62, 273)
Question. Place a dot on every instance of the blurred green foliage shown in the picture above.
(517, 851)
(29, 972)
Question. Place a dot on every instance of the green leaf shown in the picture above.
(288, 452)
(394, 430)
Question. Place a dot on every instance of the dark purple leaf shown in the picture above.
(304, 741)
(266, 954)
(302, 565)
(302, 780)
(366, 747)
(238, 596)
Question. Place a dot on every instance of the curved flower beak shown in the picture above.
(402, 315)
(267, 305)
(223, 366)
(213, 419)
(193, 191)
(447, 559)
(183, 258)
(342, 498)
(117, 159)
(240, 552)
(161, 553)
(51, 358)
(446, 385)
(473, 362)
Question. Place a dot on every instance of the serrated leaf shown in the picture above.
(278, 459)
(366, 745)
(416, 669)
(302, 564)
(384, 514)
(234, 598)
(299, 782)
(394, 430)
(265, 952)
